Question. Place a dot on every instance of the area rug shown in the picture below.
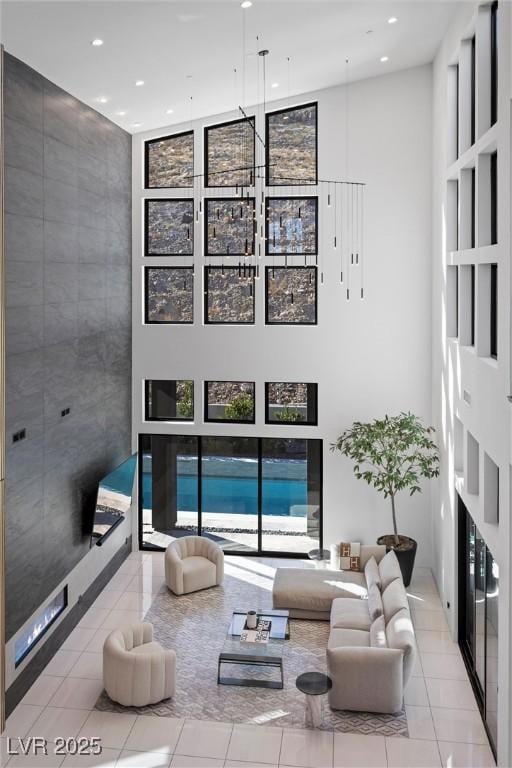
(195, 626)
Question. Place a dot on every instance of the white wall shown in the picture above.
(457, 369)
(369, 357)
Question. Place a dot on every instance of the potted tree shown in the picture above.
(393, 454)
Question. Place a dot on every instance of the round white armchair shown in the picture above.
(136, 670)
(192, 563)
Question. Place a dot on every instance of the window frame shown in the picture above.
(269, 269)
(148, 142)
(234, 200)
(207, 420)
(147, 268)
(147, 201)
(183, 419)
(207, 128)
(269, 115)
(211, 267)
(308, 422)
(267, 225)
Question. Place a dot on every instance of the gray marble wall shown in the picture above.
(68, 326)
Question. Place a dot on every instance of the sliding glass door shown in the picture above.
(252, 495)
(478, 618)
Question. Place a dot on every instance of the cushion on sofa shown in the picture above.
(378, 633)
(348, 638)
(394, 598)
(314, 590)
(375, 607)
(371, 572)
(368, 551)
(389, 569)
(350, 614)
(400, 635)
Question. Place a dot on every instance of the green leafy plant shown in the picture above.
(240, 408)
(288, 414)
(393, 454)
(185, 406)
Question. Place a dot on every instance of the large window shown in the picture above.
(290, 403)
(252, 495)
(169, 400)
(479, 619)
(170, 161)
(229, 154)
(169, 227)
(494, 63)
(229, 295)
(493, 351)
(291, 146)
(230, 226)
(169, 295)
(291, 295)
(229, 401)
(291, 225)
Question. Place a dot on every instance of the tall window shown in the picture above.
(290, 403)
(230, 226)
(494, 197)
(229, 401)
(169, 400)
(169, 295)
(291, 225)
(169, 161)
(473, 89)
(229, 295)
(494, 63)
(169, 227)
(229, 154)
(494, 311)
(291, 294)
(291, 146)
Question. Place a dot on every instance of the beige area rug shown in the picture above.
(195, 626)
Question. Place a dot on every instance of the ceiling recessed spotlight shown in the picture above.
(139, 82)
(137, 125)
(275, 85)
(102, 99)
(169, 111)
(121, 114)
(246, 4)
(96, 42)
(392, 20)
(384, 59)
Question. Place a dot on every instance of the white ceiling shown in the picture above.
(190, 48)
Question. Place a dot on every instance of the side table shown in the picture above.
(313, 685)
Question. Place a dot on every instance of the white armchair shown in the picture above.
(136, 670)
(192, 563)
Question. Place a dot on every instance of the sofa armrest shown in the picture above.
(366, 679)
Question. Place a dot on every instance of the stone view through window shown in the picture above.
(229, 401)
(169, 295)
(229, 154)
(170, 161)
(169, 227)
(230, 227)
(229, 295)
(291, 146)
(169, 400)
(291, 295)
(291, 225)
(290, 403)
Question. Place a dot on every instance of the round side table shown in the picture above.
(320, 557)
(313, 685)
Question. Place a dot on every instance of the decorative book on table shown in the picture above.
(259, 635)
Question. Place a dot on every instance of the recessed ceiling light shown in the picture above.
(246, 4)
(139, 82)
(392, 20)
(169, 111)
(384, 58)
(137, 125)
(275, 85)
(96, 42)
(102, 99)
(121, 114)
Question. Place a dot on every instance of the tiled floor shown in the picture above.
(444, 723)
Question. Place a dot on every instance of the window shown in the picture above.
(494, 63)
(494, 197)
(290, 403)
(169, 400)
(494, 312)
(291, 295)
(229, 401)
(170, 161)
(250, 494)
(473, 88)
(169, 227)
(229, 154)
(230, 226)
(473, 207)
(473, 304)
(291, 225)
(35, 631)
(229, 295)
(169, 294)
(291, 146)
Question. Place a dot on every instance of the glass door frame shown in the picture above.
(259, 552)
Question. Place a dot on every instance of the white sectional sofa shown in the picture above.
(371, 648)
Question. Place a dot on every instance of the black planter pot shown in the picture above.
(406, 554)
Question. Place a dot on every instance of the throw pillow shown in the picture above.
(375, 607)
(371, 572)
(394, 598)
(389, 569)
(378, 633)
(350, 556)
